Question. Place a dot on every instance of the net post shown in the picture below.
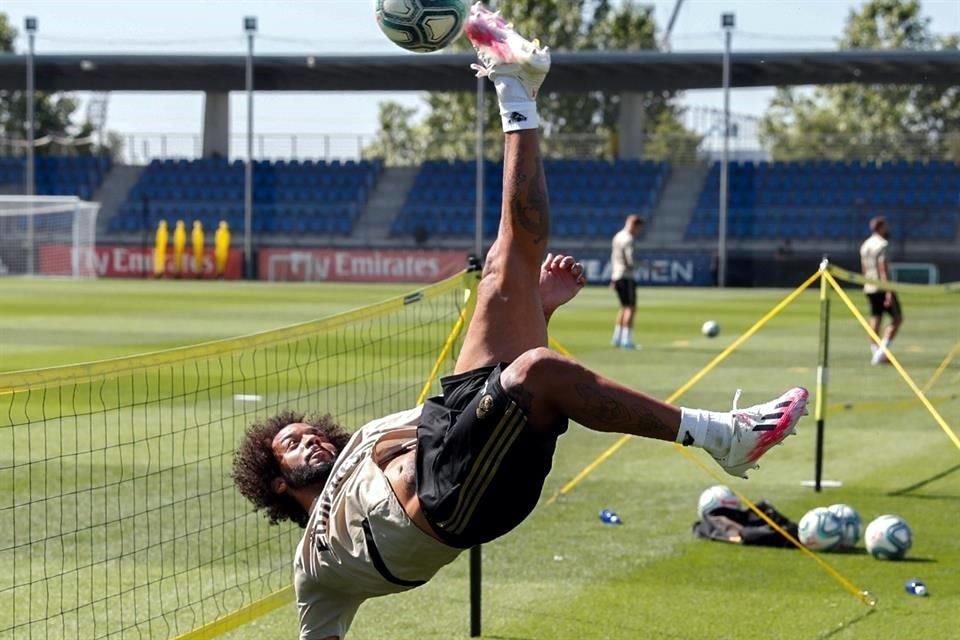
(822, 372)
(472, 278)
(476, 590)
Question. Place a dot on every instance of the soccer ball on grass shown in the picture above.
(850, 521)
(888, 538)
(715, 497)
(421, 25)
(710, 329)
(820, 530)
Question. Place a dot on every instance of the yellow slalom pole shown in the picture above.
(943, 367)
(893, 360)
(568, 487)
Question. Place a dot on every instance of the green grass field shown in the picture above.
(563, 574)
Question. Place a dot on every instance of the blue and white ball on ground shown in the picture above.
(820, 530)
(716, 497)
(710, 329)
(850, 520)
(421, 25)
(888, 538)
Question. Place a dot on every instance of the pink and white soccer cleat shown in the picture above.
(504, 52)
(761, 427)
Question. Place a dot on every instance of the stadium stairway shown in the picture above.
(113, 191)
(385, 203)
(679, 199)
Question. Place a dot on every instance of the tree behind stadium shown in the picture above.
(871, 122)
(52, 113)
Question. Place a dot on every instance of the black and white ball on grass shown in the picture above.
(820, 530)
(716, 497)
(710, 329)
(888, 538)
(422, 26)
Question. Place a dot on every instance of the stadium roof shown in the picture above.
(572, 71)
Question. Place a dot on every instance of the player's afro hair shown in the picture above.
(255, 467)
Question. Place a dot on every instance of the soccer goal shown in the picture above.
(48, 235)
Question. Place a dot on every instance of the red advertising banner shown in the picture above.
(359, 265)
(119, 261)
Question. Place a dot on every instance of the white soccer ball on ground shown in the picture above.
(820, 530)
(888, 538)
(850, 520)
(710, 329)
(421, 25)
(717, 496)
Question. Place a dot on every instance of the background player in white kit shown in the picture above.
(873, 260)
(623, 282)
(386, 508)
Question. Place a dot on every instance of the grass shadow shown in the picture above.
(925, 482)
(846, 625)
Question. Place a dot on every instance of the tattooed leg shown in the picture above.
(550, 387)
(508, 320)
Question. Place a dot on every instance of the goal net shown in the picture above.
(48, 235)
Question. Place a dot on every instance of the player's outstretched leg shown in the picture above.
(509, 316)
(550, 387)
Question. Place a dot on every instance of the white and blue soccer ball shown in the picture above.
(850, 520)
(820, 530)
(421, 25)
(715, 497)
(888, 538)
(710, 329)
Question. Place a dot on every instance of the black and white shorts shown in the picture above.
(480, 467)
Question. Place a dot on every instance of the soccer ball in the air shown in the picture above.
(850, 520)
(820, 530)
(421, 25)
(710, 329)
(888, 538)
(715, 497)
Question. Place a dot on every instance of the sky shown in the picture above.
(348, 27)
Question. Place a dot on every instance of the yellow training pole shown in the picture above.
(567, 488)
(893, 360)
(822, 375)
(943, 367)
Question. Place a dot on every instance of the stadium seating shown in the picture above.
(58, 175)
(589, 198)
(289, 197)
(832, 200)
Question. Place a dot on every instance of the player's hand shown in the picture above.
(888, 300)
(561, 279)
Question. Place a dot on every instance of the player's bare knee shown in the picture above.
(528, 379)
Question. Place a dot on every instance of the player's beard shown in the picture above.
(308, 474)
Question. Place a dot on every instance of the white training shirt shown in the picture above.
(621, 256)
(872, 251)
(333, 570)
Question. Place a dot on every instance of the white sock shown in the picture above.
(617, 331)
(627, 336)
(873, 348)
(708, 430)
(518, 110)
(878, 354)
